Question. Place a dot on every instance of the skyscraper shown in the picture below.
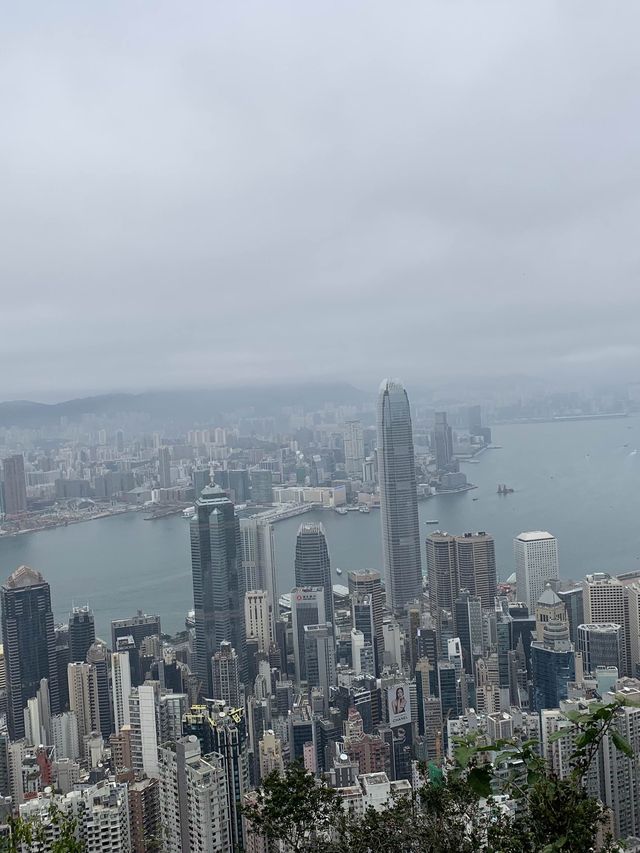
(600, 644)
(353, 449)
(398, 497)
(320, 657)
(368, 582)
(15, 488)
(257, 618)
(97, 655)
(442, 571)
(164, 467)
(312, 565)
(83, 699)
(29, 643)
(226, 675)
(194, 799)
(307, 608)
(82, 633)
(258, 557)
(121, 689)
(536, 558)
(442, 442)
(606, 600)
(476, 560)
(218, 582)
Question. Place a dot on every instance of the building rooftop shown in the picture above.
(24, 576)
(549, 597)
(534, 535)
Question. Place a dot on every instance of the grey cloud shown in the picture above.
(219, 193)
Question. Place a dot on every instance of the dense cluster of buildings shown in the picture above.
(154, 743)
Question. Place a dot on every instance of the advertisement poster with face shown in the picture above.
(399, 705)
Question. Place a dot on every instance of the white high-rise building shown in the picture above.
(194, 799)
(120, 689)
(536, 558)
(257, 618)
(353, 449)
(270, 754)
(101, 813)
(144, 716)
(64, 735)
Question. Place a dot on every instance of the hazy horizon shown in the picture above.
(236, 194)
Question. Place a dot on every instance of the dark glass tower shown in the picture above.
(312, 564)
(29, 642)
(218, 582)
(398, 497)
(82, 633)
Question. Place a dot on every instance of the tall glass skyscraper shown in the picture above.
(312, 564)
(29, 644)
(398, 497)
(218, 582)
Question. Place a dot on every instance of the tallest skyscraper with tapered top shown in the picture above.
(398, 497)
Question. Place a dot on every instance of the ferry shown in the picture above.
(338, 571)
(364, 508)
(189, 512)
(432, 521)
(341, 510)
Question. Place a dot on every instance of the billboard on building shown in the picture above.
(399, 705)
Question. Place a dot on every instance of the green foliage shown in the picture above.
(460, 811)
(25, 836)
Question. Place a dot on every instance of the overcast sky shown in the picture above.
(218, 192)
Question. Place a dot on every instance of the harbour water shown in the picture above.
(580, 480)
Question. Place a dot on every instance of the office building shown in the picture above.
(574, 602)
(536, 560)
(442, 571)
(97, 656)
(257, 618)
(312, 564)
(226, 676)
(29, 644)
(261, 486)
(139, 627)
(201, 478)
(606, 600)
(194, 799)
(15, 487)
(552, 665)
(367, 582)
(398, 497)
(82, 633)
(468, 627)
(218, 582)
(476, 563)
(258, 557)
(120, 689)
(320, 659)
(164, 467)
(353, 449)
(307, 608)
(442, 442)
(600, 644)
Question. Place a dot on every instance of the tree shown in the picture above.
(460, 811)
(294, 808)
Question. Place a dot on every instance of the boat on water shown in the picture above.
(432, 521)
(364, 508)
(504, 490)
(338, 571)
(341, 510)
(189, 512)
(475, 499)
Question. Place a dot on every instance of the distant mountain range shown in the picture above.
(183, 406)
